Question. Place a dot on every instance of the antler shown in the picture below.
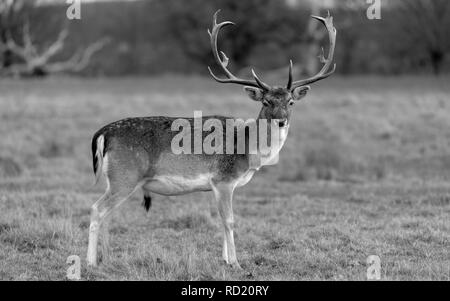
(323, 73)
(223, 62)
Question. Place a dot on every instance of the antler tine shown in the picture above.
(223, 61)
(289, 84)
(260, 83)
(323, 73)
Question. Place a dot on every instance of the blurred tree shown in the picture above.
(425, 27)
(353, 30)
(259, 23)
(10, 11)
(34, 60)
(158, 36)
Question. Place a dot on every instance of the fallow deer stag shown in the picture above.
(135, 153)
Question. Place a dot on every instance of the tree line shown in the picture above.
(167, 36)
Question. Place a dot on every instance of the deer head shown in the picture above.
(276, 100)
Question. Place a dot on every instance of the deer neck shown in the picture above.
(262, 158)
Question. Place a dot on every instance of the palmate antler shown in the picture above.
(291, 85)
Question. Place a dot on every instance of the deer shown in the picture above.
(135, 153)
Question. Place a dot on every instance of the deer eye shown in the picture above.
(291, 103)
(265, 103)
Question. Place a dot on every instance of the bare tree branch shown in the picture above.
(30, 57)
(27, 43)
(56, 46)
(80, 60)
(33, 61)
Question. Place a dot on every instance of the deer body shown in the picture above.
(143, 145)
(136, 153)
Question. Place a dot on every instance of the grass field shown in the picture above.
(365, 171)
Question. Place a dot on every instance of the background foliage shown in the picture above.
(159, 36)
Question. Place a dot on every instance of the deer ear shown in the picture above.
(300, 92)
(254, 93)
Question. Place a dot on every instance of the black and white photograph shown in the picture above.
(225, 145)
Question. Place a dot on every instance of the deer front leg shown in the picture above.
(104, 238)
(213, 207)
(225, 248)
(224, 197)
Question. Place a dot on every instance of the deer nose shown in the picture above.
(282, 123)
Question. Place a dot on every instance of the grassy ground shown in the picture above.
(365, 172)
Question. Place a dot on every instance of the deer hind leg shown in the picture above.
(117, 193)
(224, 197)
(94, 229)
